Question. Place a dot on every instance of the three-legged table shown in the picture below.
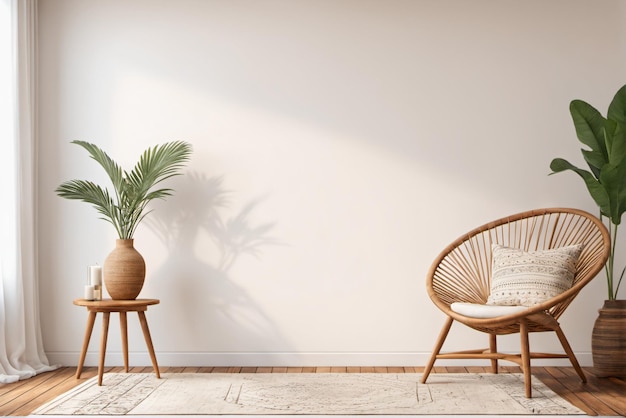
(122, 307)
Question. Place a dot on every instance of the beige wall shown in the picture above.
(338, 147)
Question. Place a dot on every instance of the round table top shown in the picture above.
(116, 304)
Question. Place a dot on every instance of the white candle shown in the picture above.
(89, 292)
(95, 275)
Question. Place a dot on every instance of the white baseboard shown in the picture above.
(141, 359)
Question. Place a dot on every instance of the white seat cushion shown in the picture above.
(476, 310)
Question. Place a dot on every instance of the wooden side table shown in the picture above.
(121, 306)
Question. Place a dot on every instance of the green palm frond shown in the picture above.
(133, 191)
(157, 164)
(113, 170)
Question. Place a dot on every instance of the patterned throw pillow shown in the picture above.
(528, 278)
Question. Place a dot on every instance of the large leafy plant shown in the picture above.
(605, 138)
(133, 190)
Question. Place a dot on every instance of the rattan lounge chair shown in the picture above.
(462, 273)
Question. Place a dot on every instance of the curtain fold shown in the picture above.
(21, 346)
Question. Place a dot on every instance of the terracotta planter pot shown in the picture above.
(608, 340)
(124, 271)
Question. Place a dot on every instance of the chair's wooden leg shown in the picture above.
(442, 337)
(124, 333)
(146, 335)
(88, 330)
(525, 354)
(570, 353)
(103, 345)
(493, 348)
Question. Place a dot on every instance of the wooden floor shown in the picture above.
(599, 396)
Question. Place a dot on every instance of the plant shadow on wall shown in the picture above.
(204, 243)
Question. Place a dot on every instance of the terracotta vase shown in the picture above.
(124, 271)
(608, 340)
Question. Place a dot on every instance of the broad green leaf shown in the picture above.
(617, 108)
(613, 179)
(589, 125)
(615, 139)
(594, 160)
(596, 190)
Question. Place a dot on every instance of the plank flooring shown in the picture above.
(599, 396)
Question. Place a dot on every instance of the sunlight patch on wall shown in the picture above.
(276, 215)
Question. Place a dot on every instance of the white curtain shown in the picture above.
(21, 348)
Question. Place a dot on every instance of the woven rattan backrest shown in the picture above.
(462, 272)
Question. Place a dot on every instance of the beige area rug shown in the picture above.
(307, 394)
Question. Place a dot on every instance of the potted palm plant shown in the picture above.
(605, 155)
(126, 207)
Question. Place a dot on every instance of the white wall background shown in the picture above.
(339, 145)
